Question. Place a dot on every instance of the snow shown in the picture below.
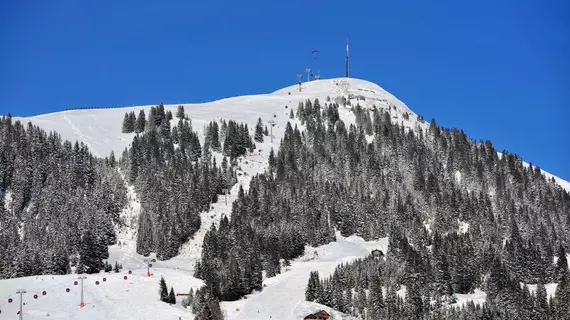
(463, 226)
(134, 298)
(550, 289)
(137, 297)
(457, 176)
(478, 297)
(284, 296)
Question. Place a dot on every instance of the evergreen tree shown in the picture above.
(132, 121)
(312, 287)
(209, 308)
(541, 301)
(376, 301)
(561, 263)
(89, 259)
(180, 112)
(163, 291)
(112, 160)
(128, 125)
(141, 122)
(171, 296)
(259, 131)
(272, 160)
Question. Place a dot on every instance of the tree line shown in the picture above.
(177, 177)
(58, 203)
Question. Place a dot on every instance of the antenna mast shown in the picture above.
(347, 58)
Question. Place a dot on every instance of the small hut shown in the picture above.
(321, 315)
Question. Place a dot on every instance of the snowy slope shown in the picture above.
(100, 129)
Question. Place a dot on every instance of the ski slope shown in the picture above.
(282, 296)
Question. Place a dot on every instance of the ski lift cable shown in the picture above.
(54, 287)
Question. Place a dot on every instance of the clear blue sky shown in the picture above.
(500, 70)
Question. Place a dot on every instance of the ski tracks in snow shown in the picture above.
(81, 136)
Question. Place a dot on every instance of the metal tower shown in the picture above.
(347, 58)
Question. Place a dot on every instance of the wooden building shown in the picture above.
(321, 315)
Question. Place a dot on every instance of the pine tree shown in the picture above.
(259, 131)
(215, 137)
(208, 308)
(117, 268)
(171, 296)
(375, 301)
(562, 297)
(360, 301)
(132, 121)
(265, 131)
(112, 160)
(89, 260)
(312, 287)
(180, 112)
(108, 267)
(272, 160)
(292, 115)
(541, 301)
(141, 122)
(163, 291)
(128, 125)
(152, 120)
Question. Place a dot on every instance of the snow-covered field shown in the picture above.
(137, 297)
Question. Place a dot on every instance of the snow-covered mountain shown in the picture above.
(100, 129)
(136, 297)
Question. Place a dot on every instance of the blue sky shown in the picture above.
(500, 70)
